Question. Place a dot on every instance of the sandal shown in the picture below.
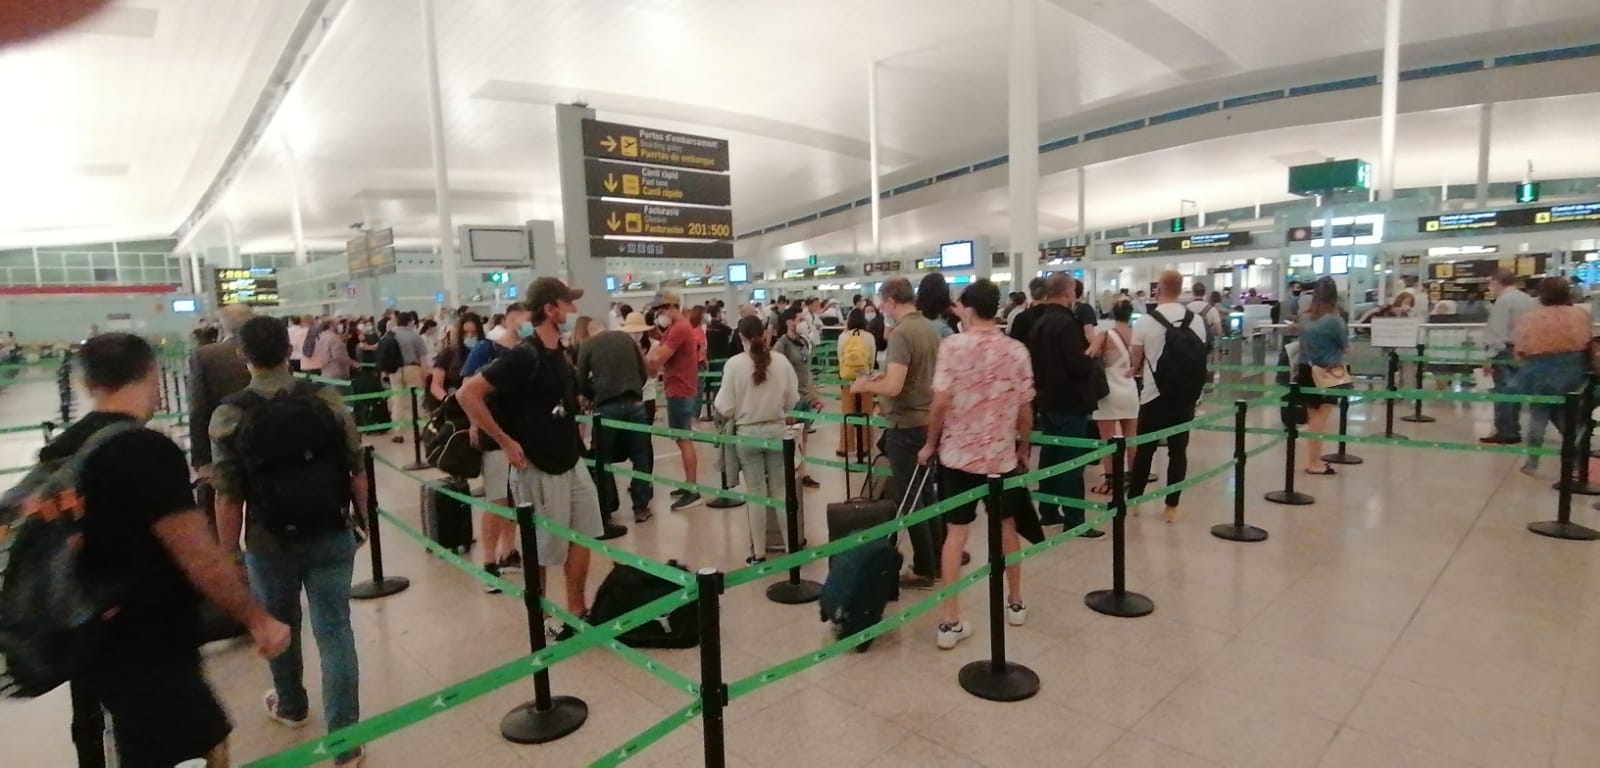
(1103, 489)
(1327, 469)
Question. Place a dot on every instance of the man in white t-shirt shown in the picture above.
(1201, 306)
(1158, 411)
(298, 329)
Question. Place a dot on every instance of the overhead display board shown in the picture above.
(880, 266)
(255, 287)
(1063, 254)
(371, 254)
(656, 193)
(1536, 216)
(1330, 176)
(614, 141)
(1524, 265)
(647, 182)
(1197, 241)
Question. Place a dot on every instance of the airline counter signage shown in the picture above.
(654, 220)
(880, 266)
(649, 145)
(1061, 255)
(1197, 241)
(256, 286)
(646, 182)
(797, 273)
(1538, 216)
(617, 248)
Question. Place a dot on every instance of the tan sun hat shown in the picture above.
(634, 324)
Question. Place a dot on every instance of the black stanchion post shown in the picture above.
(1579, 479)
(1118, 601)
(1562, 527)
(1342, 456)
(1417, 416)
(1289, 495)
(1392, 381)
(794, 590)
(1238, 530)
(416, 435)
(997, 679)
(713, 691)
(547, 717)
(379, 585)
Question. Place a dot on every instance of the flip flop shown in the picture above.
(1326, 470)
(1103, 489)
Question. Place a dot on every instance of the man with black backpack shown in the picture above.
(1170, 344)
(287, 469)
(1064, 378)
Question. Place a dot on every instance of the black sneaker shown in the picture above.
(511, 563)
(810, 482)
(685, 501)
(1052, 518)
(678, 492)
(1093, 533)
(397, 439)
(642, 515)
(613, 531)
(1500, 440)
(493, 569)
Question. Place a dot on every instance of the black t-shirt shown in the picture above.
(129, 483)
(535, 401)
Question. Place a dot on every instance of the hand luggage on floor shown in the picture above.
(627, 588)
(446, 520)
(862, 581)
(365, 381)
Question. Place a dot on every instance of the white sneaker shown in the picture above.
(1016, 614)
(950, 634)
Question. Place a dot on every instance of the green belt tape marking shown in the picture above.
(1271, 389)
(324, 379)
(1040, 438)
(1182, 485)
(1428, 394)
(704, 490)
(1243, 368)
(1045, 473)
(1052, 542)
(1162, 434)
(758, 571)
(1439, 444)
(661, 570)
(1066, 501)
(699, 437)
(650, 736)
(14, 470)
(22, 428)
(849, 466)
(1267, 446)
(409, 714)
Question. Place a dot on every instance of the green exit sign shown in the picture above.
(1178, 225)
(1528, 192)
(1331, 176)
(811, 261)
(498, 278)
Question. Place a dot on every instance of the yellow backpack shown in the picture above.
(855, 354)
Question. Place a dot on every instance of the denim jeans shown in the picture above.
(901, 446)
(1555, 374)
(1069, 484)
(1507, 416)
(635, 445)
(323, 566)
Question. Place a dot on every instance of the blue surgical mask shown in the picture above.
(569, 324)
(470, 342)
(525, 330)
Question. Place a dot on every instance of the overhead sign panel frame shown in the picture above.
(632, 143)
(617, 218)
(606, 178)
(1197, 241)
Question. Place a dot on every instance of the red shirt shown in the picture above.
(682, 369)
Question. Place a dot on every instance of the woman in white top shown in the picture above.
(757, 391)
(1121, 406)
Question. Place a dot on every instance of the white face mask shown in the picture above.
(663, 322)
(871, 316)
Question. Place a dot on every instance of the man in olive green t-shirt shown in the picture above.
(905, 395)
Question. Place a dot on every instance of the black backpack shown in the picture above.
(627, 588)
(1181, 372)
(389, 357)
(296, 466)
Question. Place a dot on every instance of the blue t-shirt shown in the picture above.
(1323, 340)
(486, 352)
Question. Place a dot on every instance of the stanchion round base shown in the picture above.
(1012, 682)
(417, 466)
(372, 590)
(796, 593)
(1342, 458)
(1556, 529)
(1582, 489)
(1415, 419)
(1127, 605)
(1394, 436)
(1244, 533)
(1294, 498)
(723, 502)
(528, 725)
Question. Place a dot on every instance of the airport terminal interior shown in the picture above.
(1382, 215)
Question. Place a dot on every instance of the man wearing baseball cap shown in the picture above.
(677, 360)
(526, 401)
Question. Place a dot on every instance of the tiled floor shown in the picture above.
(1406, 619)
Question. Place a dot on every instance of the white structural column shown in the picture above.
(1023, 116)
(196, 285)
(872, 153)
(1485, 133)
(296, 226)
(449, 261)
(1391, 99)
(232, 239)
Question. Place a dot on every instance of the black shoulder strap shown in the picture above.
(1162, 319)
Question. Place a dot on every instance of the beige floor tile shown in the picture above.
(1577, 745)
(1153, 640)
(1133, 751)
(1314, 632)
(1454, 724)
(1504, 630)
(1035, 732)
(1581, 701)
(1478, 672)
(1304, 684)
(1357, 749)
(1102, 684)
(814, 728)
(1236, 730)
(918, 752)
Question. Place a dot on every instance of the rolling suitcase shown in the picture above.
(365, 381)
(863, 581)
(446, 520)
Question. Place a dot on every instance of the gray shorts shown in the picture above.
(496, 476)
(568, 499)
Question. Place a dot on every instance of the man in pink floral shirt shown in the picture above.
(982, 415)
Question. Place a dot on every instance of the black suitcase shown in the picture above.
(625, 589)
(446, 520)
(863, 581)
(365, 381)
